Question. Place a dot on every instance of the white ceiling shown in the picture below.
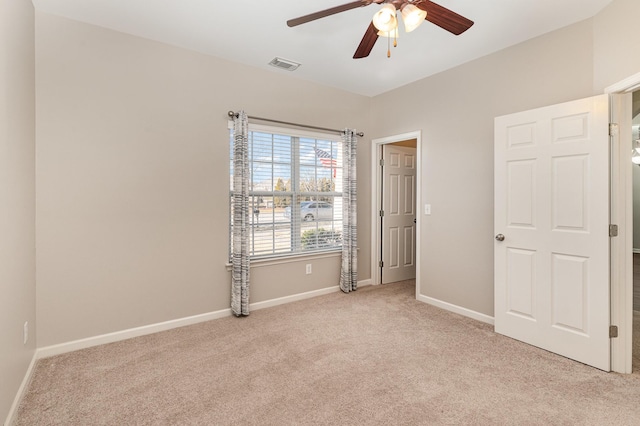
(253, 32)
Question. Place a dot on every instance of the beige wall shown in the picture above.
(616, 54)
(455, 112)
(17, 196)
(133, 178)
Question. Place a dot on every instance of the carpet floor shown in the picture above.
(376, 357)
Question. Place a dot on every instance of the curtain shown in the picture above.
(349, 270)
(241, 225)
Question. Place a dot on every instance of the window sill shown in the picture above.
(259, 263)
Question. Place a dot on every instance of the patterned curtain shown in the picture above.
(349, 272)
(241, 225)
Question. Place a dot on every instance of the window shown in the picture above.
(295, 193)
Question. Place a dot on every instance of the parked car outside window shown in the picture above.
(313, 210)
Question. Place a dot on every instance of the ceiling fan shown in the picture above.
(414, 12)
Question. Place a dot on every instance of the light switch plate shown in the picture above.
(427, 209)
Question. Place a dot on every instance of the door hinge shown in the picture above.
(613, 230)
(613, 129)
(613, 331)
(382, 162)
(381, 213)
(381, 264)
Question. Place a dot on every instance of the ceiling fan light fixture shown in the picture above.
(392, 34)
(412, 17)
(385, 19)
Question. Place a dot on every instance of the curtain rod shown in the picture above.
(235, 114)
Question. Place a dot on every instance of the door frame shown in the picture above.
(621, 211)
(376, 183)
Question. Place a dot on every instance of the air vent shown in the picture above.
(284, 64)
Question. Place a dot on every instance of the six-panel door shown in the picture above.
(552, 206)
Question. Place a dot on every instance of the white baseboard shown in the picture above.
(21, 391)
(365, 283)
(456, 309)
(292, 298)
(301, 296)
(117, 336)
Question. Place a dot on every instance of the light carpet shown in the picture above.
(376, 357)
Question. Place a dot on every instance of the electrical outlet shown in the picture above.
(308, 268)
(25, 332)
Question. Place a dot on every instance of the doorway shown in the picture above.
(402, 151)
(621, 110)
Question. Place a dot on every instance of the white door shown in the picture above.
(552, 229)
(399, 207)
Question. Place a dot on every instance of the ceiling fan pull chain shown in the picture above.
(389, 47)
(395, 33)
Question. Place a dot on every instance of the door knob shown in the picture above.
(500, 237)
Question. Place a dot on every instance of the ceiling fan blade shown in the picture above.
(328, 12)
(367, 42)
(445, 18)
